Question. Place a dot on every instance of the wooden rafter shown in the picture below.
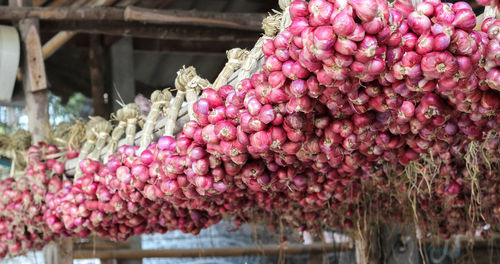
(135, 29)
(79, 3)
(241, 21)
(199, 47)
(245, 21)
(147, 3)
(39, 2)
(124, 3)
(95, 3)
(164, 4)
(55, 43)
(109, 40)
(61, 13)
(215, 47)
(61, 38)
(57, 3)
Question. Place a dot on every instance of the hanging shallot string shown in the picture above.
(159, 99)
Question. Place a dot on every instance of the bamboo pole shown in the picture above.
(212, 252)
(56, 42)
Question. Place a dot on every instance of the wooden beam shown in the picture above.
(135, 29)
(99, 243)
(14, 103)
(96, 63)
(241, 21)
(214, 47)
(199, 47)
(61, 13)
(266, 250)
(245, 21)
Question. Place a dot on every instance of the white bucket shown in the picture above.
(9, 61)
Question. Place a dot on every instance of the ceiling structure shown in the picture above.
(156, 58)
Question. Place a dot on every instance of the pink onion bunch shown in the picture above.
(491, 28)
(115, 200)
(350, 95)
(377, 95)
(348, 89)
(22, 225)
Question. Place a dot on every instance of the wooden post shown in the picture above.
(314, 257)
(400, 244)
(33, 55)
(367, 248)
(317, 258)
(37, 108)
(360, 251)
(96, 63)
(61, 253)
(34, 82)
(122, 61)
(109, 261)
(135, 243)
(11, 116)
